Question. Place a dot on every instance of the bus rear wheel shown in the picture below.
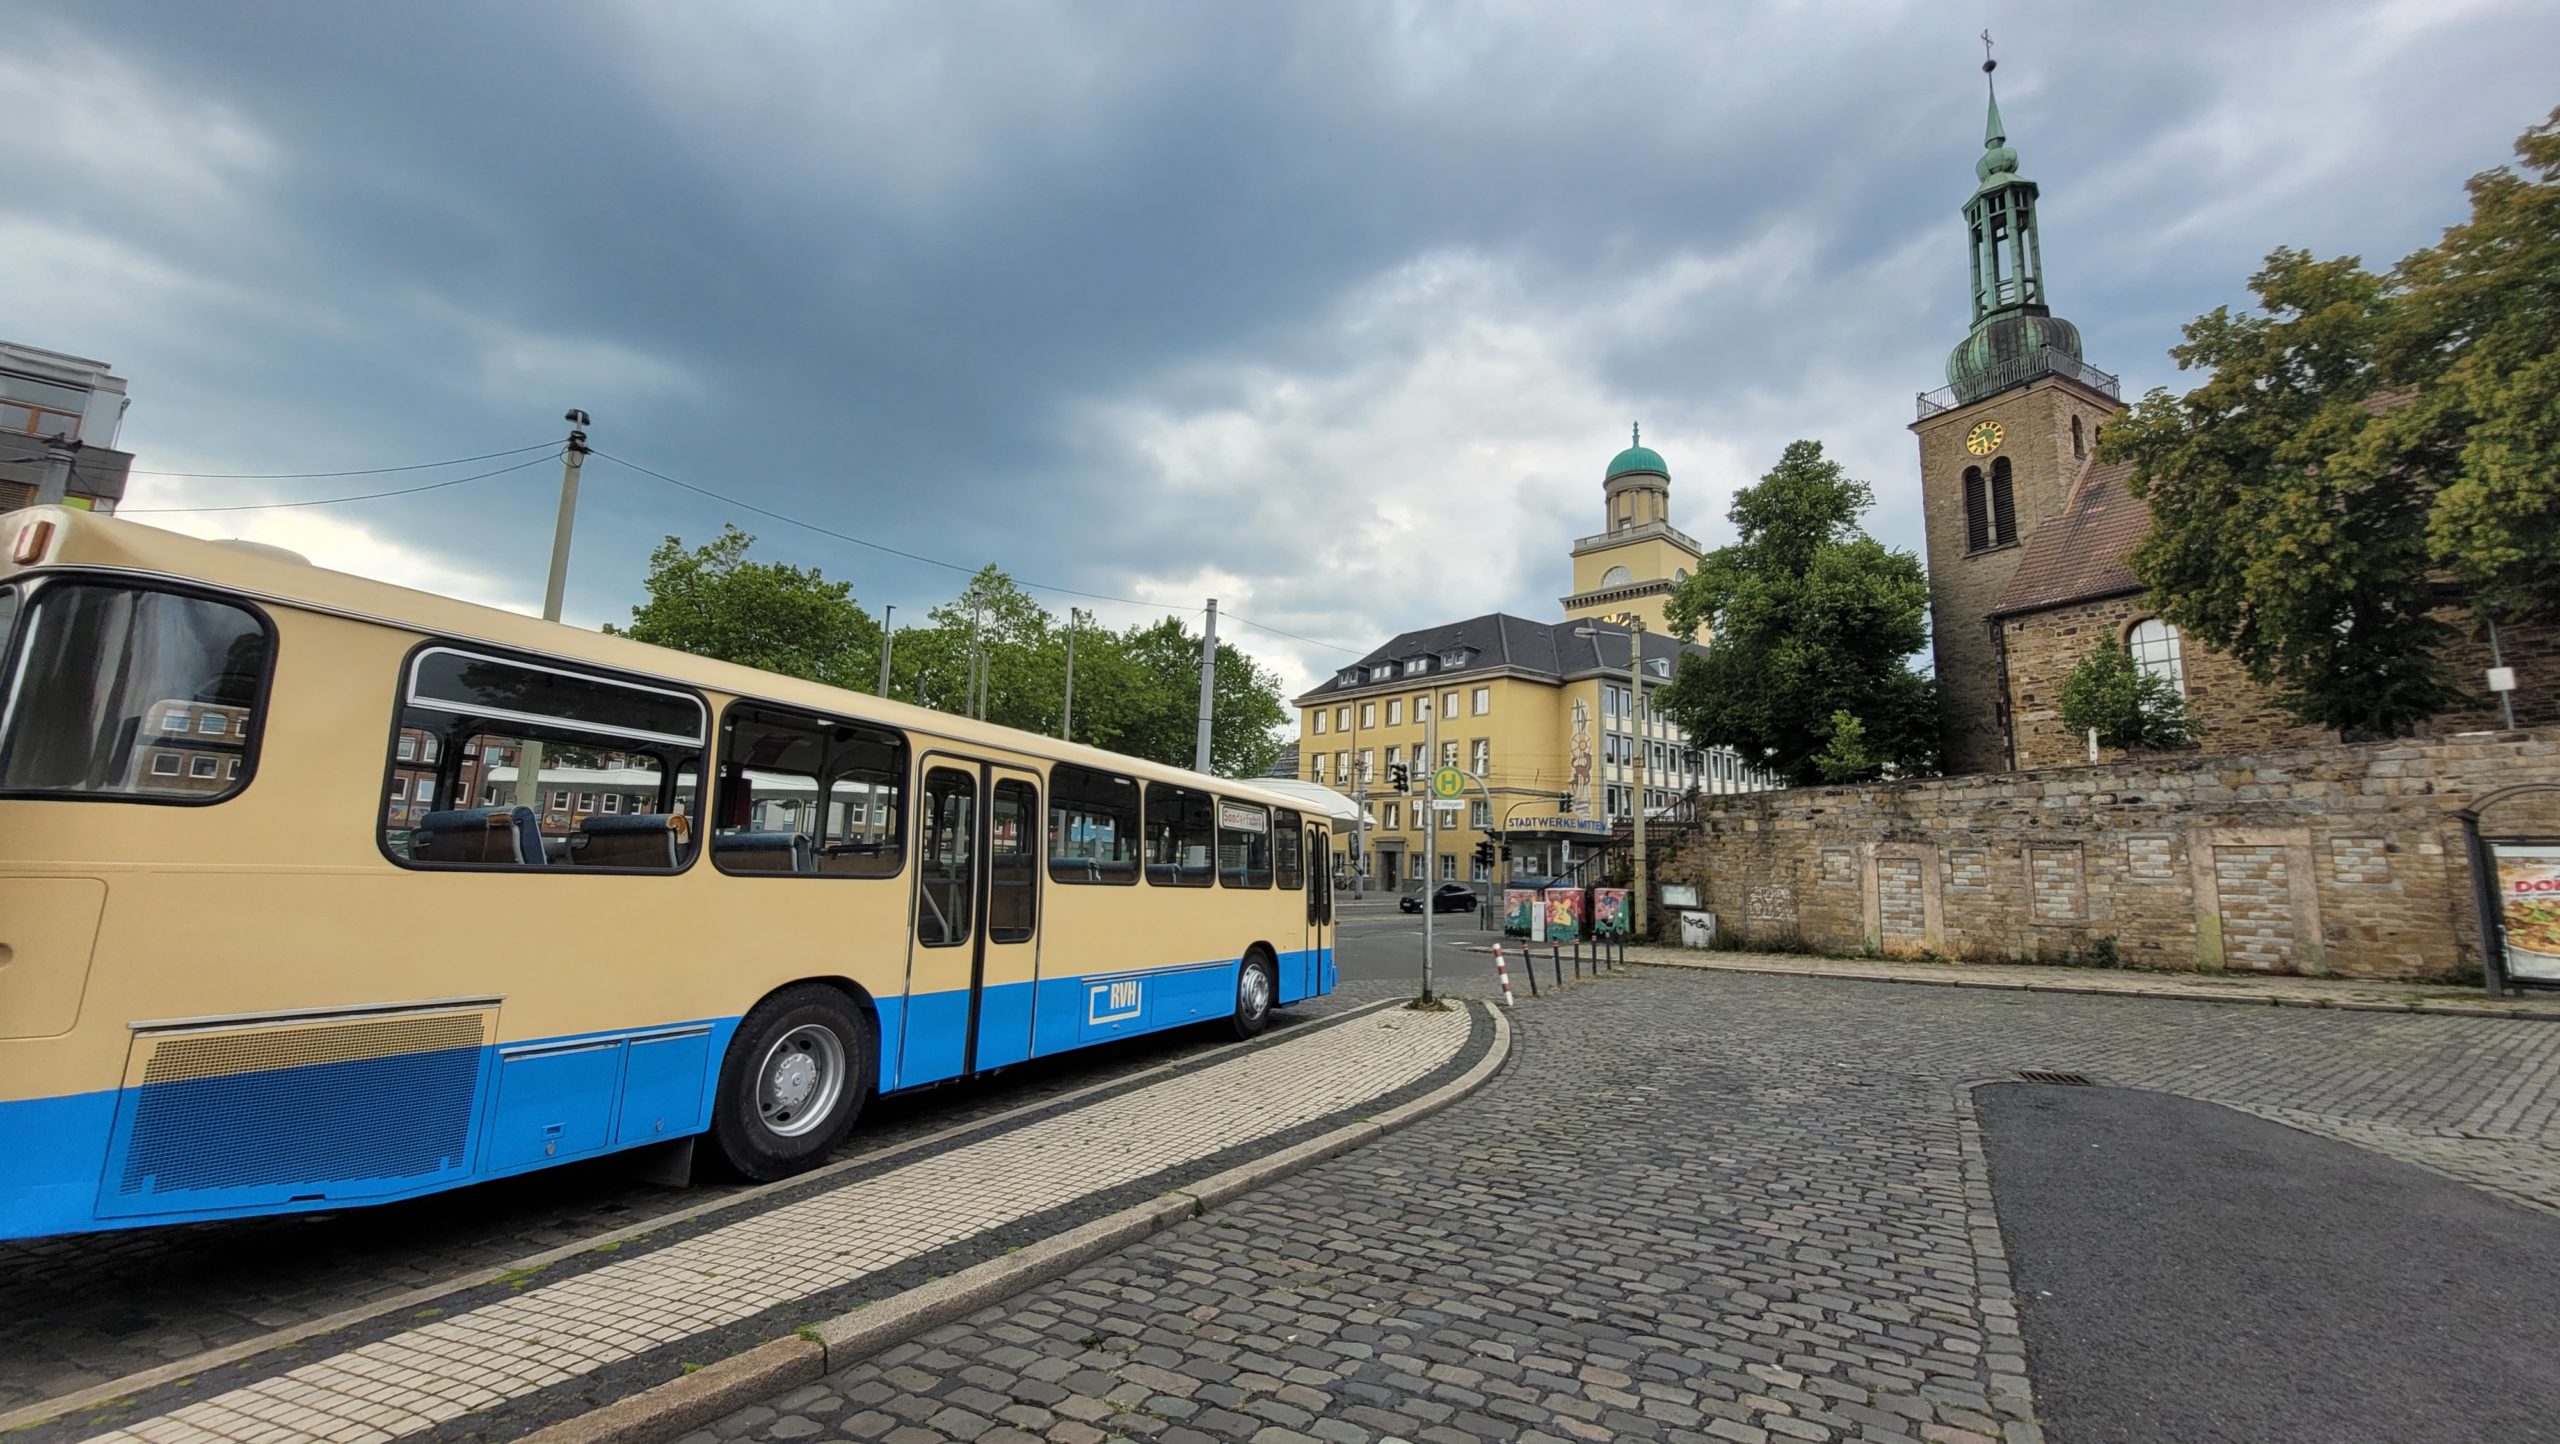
(1257, 988)
(797, 1072)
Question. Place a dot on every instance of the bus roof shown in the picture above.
(272, 575)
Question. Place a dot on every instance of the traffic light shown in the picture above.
(1484, 855)
(1564, 802)
(1396, 776)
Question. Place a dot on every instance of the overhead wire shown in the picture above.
(338, 500)
(368, 471)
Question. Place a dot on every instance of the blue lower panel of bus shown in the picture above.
(335, 1134)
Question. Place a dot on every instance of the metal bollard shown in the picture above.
(1530, 958)
(1502, 973)
(1555, 955)
(1577, 959)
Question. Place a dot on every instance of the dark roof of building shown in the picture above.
(1500, 642)
(1284, 765)
(2086, 552)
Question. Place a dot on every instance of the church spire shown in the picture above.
(2015, 336)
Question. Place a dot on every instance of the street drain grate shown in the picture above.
(2068, 1080)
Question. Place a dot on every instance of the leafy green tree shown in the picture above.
(2285, 530)
(2479, 338)
(1157, 716)
(712, 601)
(1811, 624)
(2128, 707)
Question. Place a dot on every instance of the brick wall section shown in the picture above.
(2234, 713)
(2333, 859)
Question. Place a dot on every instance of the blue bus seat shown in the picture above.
(636, 839)
(505, 835)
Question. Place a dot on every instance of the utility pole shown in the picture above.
(969, 704)
(1359, 781)
(1430, 839)
(1208, 687)
(1067, 711)
(1644, 742)
(888, 639)
(573, 455)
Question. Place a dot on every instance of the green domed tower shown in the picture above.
(2015, 336)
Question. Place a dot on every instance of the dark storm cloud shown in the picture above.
(1149, 299)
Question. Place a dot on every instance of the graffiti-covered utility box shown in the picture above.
(1564, 914)
(1521, 915)
(1613, 912)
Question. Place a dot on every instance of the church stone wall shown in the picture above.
(2318, 860)
(2234, 714)
(1964, 586)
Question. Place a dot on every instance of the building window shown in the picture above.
(399, 788)
(1317, 721)
(1448, 704)
(1480, 756)
(164, 764)
(1617, 577)
(1393, 815)
(408, 749)
(1395, 755)
(1421, 707)
(2079, 446)
(1316, 764)
(1480, 815)
(173, 721)
(1977, 511)
(1368, 714)
(1448, 867)
(613, 802)
(213, 724)
(1395, 711)
(234, 774)
(2004, 504)
(1483, 702)
(1449, 753)
(426, 789)
(2156, 649)
(1342, 719)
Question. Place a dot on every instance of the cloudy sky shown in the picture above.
(1332, 311)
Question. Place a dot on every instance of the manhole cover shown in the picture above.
(2068, 1080)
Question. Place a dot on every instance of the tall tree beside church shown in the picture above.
(1812, 624)
(2287, 528)
(2479, 334)
(712, 601)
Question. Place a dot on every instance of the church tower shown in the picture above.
(2000, 447)
(1630, 567)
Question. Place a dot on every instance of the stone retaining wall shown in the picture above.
(2314, 860)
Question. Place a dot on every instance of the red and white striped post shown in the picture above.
(1502, 971)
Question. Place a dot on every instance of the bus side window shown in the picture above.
(518, 764)
(1288, 849)
(807, 795)
(1181, 836)
(1093, 826)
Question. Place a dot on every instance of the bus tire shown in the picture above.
(797, 1072)
(1257, 990)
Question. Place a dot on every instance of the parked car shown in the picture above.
(1448, 897)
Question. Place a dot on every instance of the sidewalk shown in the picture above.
(2353, 995)
(559, 1340)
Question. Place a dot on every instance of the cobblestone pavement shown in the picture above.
(685, 1289)
(1695, 1207)
(87, 1309)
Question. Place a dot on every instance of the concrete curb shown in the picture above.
(664, 1412)
(2422, 1006)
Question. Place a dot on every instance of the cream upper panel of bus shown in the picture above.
(86, 539)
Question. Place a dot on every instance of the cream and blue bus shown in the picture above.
(318, 892)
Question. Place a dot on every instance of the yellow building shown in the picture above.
(1542, 714)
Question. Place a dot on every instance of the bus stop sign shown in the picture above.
(1448, 783)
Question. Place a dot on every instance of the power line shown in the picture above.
(937, 561)
(336, 500)
(371, 471)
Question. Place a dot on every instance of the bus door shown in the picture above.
(973, 953)
(1319, 905)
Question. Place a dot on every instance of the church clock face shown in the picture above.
(1984, 439)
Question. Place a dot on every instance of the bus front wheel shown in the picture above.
(1257, 988)
(797, 1071)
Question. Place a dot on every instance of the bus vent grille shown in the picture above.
(386, 1099)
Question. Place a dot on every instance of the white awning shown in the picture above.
(1319, 799)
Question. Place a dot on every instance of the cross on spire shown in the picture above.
(1988, 64)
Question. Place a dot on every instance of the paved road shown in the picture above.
(1377, 944)
(1695, 1207)
(2192, 1275)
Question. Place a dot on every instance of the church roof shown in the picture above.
(2085, 553)
(1635, 459)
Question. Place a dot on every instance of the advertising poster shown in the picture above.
(2529, 904)
(1612, 912)
(1520, 913)
(1564, 914)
